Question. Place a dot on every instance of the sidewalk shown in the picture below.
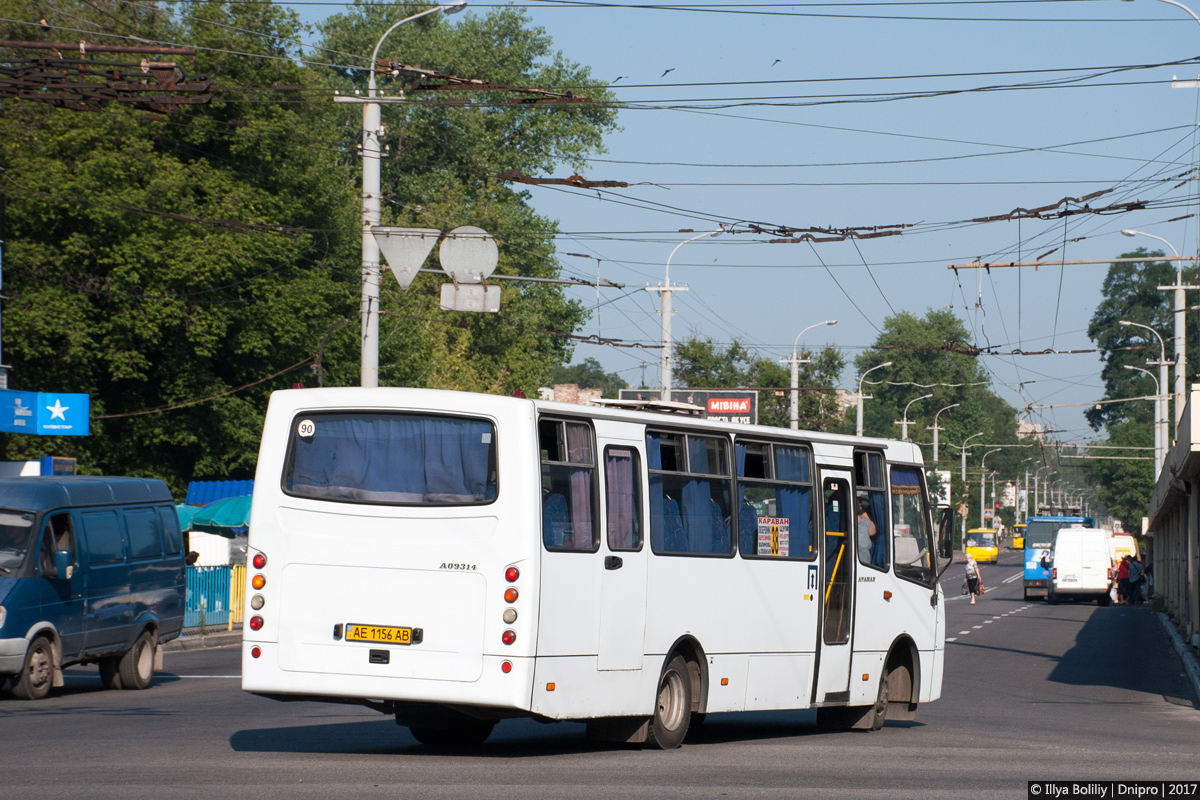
(193, 639)
(1186, 654)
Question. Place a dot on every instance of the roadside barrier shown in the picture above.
(215, 597)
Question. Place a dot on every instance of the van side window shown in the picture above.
(57, 534)
(172, 537)
(102, 533)
(145, 537)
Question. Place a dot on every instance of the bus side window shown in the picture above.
(623, 498)
(871, 496)
(569, 518)
(690, 493)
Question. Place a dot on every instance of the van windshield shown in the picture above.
(16, 533)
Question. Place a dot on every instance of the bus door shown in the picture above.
(624, 548)
(837, 588)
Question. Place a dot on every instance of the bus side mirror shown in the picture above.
(62, 564)
(945, 540)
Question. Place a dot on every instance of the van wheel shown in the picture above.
(110, 672)
(673, 711)
(37, 675)
(137, 666)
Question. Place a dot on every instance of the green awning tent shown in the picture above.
(229, 516)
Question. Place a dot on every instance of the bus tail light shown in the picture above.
(259, 561)
(258, 581)
(511, 574)
(510, 595)
(508, 637)
(256, 623)
(255, 651)
(506, 667)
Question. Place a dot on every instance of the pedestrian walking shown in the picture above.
(974, 579)
(1123, 581)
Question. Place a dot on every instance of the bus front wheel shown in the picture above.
(673, 709)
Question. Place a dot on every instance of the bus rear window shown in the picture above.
(392, 458)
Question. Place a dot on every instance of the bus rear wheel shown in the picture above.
(461, 734)
(673, 709)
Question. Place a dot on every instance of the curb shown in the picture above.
(1185, 655)
(204, 641)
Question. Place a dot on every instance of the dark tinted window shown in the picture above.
(102, 532)
(145, 538)
(172, 536)
(392, 458)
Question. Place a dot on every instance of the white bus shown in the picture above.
(456, 559)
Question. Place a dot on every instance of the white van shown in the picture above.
(1122, 544)
(1080, 565)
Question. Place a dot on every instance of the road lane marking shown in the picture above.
(1013, 578)
(976, 627)
(987, 622)
(952, 639)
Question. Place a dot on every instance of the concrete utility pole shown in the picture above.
(935, 430)
(964, 482)
(983, 482)
(796, 361)
(371, 155)
(666, 288)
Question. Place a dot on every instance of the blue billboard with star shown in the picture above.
(44, 413)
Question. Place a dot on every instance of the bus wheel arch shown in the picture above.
(693, 653)
(902, 672)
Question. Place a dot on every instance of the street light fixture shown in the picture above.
(935, 430)
(664, 361)
(1180, 302)
(983, 481)
(1162, 365)
(904, 422)
(859, 427)
(1160, 424)
(371, 132)
(796, 361)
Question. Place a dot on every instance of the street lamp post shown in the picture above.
(1162, 365)
(796, 361)
(1180, 302)
(372, 129)
(1160, 424)
(859, 427)
(1026, 520)
(966, 497)
(664, 361)
(983, 481)
(903, 423)
(935, 430)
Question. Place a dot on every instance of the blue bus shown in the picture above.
(1039, 539)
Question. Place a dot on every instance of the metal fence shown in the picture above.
(214, 596)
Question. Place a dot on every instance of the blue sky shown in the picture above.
(760, 116)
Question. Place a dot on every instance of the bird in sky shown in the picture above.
(776, 61)
(672, 69)
(619, 77)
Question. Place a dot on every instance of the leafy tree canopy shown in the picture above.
(705, 364)
(189, 264)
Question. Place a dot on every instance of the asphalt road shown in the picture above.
(1032, 692)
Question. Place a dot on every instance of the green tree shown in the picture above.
(1130, 292)
(441, 174)
(187, 265)
(924, 360)
(701, 363)
(589, 375)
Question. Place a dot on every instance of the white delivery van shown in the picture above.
(1081, 566)
(1122, 544)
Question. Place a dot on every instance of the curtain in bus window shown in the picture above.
(794, 503)
(747, 515)
(791, 464)
(456, 461)
(657, 522)
(619, 483)
(879, 547)
(579, 451)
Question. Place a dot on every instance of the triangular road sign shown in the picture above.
(405, 249)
